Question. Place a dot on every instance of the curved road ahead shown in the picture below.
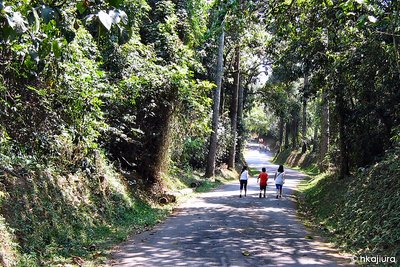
(219, 229)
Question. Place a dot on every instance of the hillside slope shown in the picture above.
(360, 213)
(47, 215)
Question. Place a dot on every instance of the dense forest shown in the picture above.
(102, 99)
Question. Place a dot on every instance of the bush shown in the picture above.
(361, 213)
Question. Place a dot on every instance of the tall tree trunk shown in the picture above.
(222, 97)
(343, 152)
(294, 133)
(212, 152)
(287, 131)
(281, 129)
(315, 138)
(325, 132)
(394, 27)
(344, 156)
(155, 143)
(234, 109)
(240, 127)
(304, 117)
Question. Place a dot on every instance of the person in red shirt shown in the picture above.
(263, 178)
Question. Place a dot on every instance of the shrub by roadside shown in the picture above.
(48, 218)
(361, 213)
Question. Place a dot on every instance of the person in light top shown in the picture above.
(279, 181)
(244, 176)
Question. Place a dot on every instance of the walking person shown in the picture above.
(279, 181)
(244, 176)
(263, 178)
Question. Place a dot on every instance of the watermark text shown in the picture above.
(375, 259)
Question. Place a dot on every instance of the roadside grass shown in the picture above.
(94, 250)
(254, 171)
(85, 243)
(306, 162)
(281, 157)
(179, 179)
(144, 217)
(54, 219)
(360, 214)
(311, 170)
(209, 185)
(223, 176)
(318, 199)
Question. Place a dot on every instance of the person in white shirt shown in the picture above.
(244, 176)
(279, 181)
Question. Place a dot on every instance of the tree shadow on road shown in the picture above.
(220, 229)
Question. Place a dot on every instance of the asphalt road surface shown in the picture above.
(220, 229)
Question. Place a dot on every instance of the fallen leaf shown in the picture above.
(78, 260)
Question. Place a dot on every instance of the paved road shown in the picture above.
(218, 228)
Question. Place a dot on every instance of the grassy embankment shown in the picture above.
(361, 213)
(49, 217)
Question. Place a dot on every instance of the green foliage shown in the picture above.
(260, 121)
(350, 50)
(224, 140)
(82, 94)
(361, 214)
(194, 152)
(197, 12)
(80, 214)
(9, 248)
